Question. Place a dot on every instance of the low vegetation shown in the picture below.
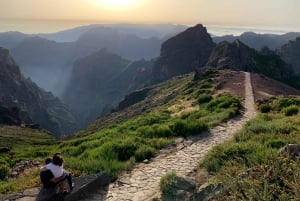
(166, 183)
(25, 144)
(249, 167)
(116, 147)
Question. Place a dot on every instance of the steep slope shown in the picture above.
(183, 53)
(258, 41)
(99, 81)
(290, 53)
(235, 55)
(42, 107)
(238, 56)
(12, 116)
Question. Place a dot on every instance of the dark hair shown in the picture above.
(58, 159)
(48, 160)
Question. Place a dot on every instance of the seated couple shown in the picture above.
(53, 174)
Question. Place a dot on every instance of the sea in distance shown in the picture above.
(51, 26)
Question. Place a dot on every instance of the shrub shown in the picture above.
(204, 98)
(125, 149)
(159, 143)
(205, 86)
(222, 154)
(281, 103)
(155, 131)
(265, 108)
(196, 127)
(144, 152)
(166, 183)
(179, 127)
(202, 91)
(223, 101)
(276, 143)
(291, 110)
(185, 128)
(7, 187)
(4, 171)
(278, 179)
(120, 150)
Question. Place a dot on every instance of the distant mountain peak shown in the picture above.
(183, 53)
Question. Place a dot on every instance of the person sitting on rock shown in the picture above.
(58, 173)
(47, 177)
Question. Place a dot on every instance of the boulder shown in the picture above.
(83, 187)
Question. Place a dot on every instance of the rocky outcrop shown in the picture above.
(133, 98)
(183, 53)
(290, 53)
(41, 106)
(21, 166)
(12, 116)
(238, 56)
(235, 55)
(85, 186)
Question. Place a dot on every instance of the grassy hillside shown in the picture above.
(250, 167)
(25, 144)
(181, 106)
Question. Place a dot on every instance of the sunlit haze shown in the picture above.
(277, 14)
(118, 2)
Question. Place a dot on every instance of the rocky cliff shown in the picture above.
(13, 116)
(42, 107)
(290, 53)
(238, 56)
(183, 53)
(235, 55)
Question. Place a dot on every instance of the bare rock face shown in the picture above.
(235, 55)
(290, 53)
(12, 116)
(183, 53)
(20, 96)
(238, 56)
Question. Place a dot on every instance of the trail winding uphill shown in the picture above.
(143, 182)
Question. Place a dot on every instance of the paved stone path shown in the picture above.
(142, 184)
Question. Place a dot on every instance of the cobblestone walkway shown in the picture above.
(142, 183)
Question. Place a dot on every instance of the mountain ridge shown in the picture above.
(42, 107)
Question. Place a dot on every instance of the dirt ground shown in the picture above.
(265, 87)
(231, 82)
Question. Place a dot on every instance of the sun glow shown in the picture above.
(118, 2)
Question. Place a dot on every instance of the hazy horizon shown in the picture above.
(267, 14)
(28, 26)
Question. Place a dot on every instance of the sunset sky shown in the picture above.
(273, 13)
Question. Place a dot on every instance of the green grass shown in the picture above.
(166, 183)
(249, 166)
(116, 142)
